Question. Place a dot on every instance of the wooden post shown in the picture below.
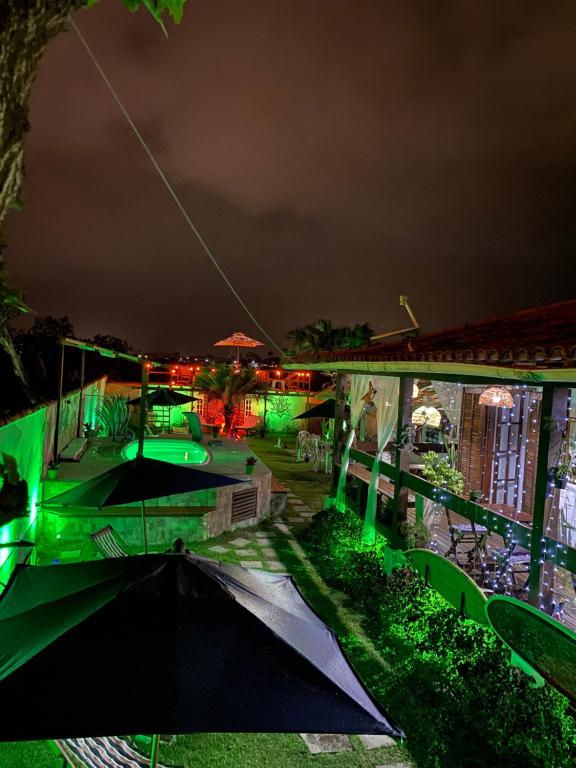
(402, 458)
(339, 413)
(79, 423)
(550, 438)
(56, 445)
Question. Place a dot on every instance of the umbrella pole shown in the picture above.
(154, 750)
(142, 423)
(144, 527)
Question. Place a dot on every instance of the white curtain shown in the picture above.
(450, 396)
(386, 401)
(359, 386)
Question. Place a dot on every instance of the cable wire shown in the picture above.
(171, 190)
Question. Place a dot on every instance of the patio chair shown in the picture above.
(109, 543)
(466, 534)
(512, 560)
(303, 445)
(195, 427)
(101, 752)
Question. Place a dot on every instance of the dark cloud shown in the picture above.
(333, 154)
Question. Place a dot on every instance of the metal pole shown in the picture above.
(82, 362)
(143, 404)
(154, 751)
(56, 447)
(144, 531)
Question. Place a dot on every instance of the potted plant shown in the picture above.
(561, 474)
(250, 462)
(476, 496)
(416, 534)
(440, 472)
(53, 468)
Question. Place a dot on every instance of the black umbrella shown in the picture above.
(170, 644)
(325, 410)
(137, 480)
(163, 398)
(167, 398)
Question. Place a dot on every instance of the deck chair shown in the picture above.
(101, 752)
(109, 543)
(195, 427)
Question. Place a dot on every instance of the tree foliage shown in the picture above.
(322, 336)
(230, 385)
(158, 8)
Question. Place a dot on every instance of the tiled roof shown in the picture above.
(540, 337)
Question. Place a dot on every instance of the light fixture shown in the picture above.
(498, 397)
(426, 416)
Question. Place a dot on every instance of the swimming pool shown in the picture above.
(168, 449)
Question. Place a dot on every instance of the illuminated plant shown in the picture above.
(112, 415)
(439, 471)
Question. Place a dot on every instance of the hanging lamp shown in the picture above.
(498, 397)
(427, 416)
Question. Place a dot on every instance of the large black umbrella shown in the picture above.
(325, 410)
(137, 480)
(170, 644)
(167, 398)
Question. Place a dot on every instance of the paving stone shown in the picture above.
(240, 542)
(395, 765)
(269, 552)
(307, 514)
(251, 563)
(246, 552)
(263, 542)
(282, 527)
(294, 519)
(219, 549)
(261, 534)
(375, 742)
(326, 742)
(274, 565)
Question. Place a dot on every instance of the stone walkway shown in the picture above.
(255, 549)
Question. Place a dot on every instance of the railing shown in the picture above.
(476, 513)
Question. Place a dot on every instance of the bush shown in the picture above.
(452, 686)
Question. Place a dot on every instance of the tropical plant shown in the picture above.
(322, 336)
(230, 385)
(112, 415)
(415, 534)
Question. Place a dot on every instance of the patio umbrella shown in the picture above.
(164, 398)
(325, 410)
(137, 480)
(238, 339)
(173, 644)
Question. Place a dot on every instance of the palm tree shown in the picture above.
(230, 385)
(322, 336)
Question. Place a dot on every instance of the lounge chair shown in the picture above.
(101, 752)
(109, 543)
(195, 427)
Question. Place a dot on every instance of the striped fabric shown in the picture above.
(109, 543)
(101, 752)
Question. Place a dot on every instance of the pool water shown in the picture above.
(166, 449)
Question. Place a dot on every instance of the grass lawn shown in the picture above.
(265, 750)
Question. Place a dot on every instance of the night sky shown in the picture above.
(334, 154)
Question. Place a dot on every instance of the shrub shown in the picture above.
(452, 686)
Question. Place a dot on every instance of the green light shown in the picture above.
(166, 449)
